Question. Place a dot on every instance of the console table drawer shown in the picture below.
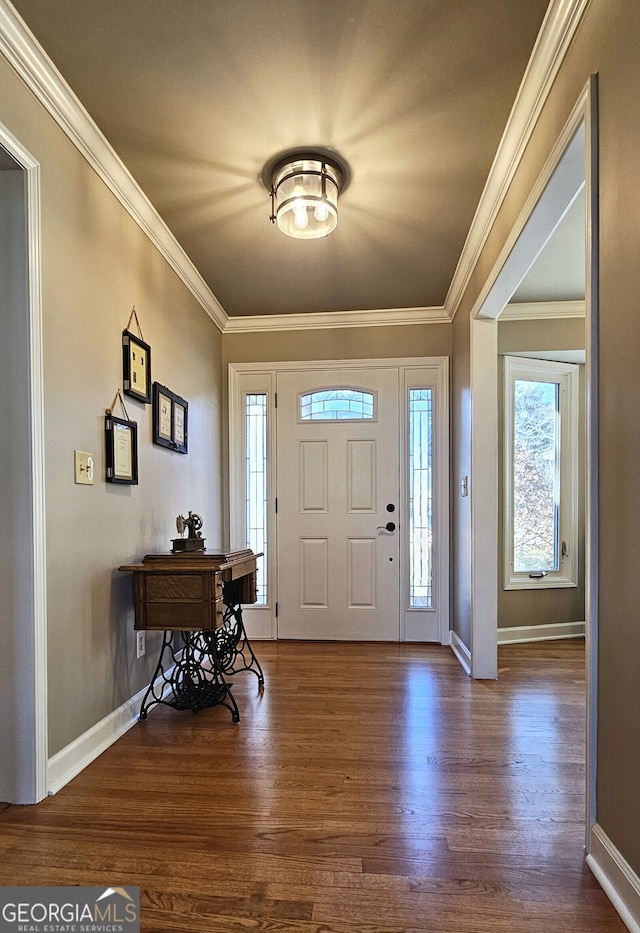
(177, 616)
(174, 586)
(179, 593)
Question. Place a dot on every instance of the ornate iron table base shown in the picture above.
(193, 666)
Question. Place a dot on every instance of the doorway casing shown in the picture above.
(571, 166)
(26, 740)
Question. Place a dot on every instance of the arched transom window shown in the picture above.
(337, 404)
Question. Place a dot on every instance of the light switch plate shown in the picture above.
(83, 468)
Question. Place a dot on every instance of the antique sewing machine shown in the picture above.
(196, 599)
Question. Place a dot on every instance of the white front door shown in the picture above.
(331, 568)
(338, 495)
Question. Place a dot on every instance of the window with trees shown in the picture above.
(540, 473)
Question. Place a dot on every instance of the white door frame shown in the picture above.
(30, 755)
(261, 621)
(570, 167)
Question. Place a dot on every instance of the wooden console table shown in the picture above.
(196, 599)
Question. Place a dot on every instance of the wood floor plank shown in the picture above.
(371, 788)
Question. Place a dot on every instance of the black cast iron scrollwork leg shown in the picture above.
(191, 668)
(188, 676)
(208, 659)
(160, 678)
(234, 648)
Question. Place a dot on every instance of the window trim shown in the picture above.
(566, 376)
(259, 618)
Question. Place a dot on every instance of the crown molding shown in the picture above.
(28, 58)
(331, 319)
(543, 310)
(558, 29)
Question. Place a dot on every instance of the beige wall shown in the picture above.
(96, 265)
(555, 334)
(608, 42)
(340, 343)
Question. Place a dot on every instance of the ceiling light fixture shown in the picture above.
(304, 185)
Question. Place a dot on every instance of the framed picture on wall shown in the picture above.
(170, 419)
(136, 367)
(121, 449)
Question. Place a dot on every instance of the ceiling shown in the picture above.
(195, 96)
(558, 274)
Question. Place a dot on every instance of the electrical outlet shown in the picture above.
(140, 644)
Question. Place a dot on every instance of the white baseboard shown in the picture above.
(72, 759)
(461, 652)
(551, 632)
(619, 882)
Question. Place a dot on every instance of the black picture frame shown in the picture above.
(136, 367)
(170, 419)
(121, 450)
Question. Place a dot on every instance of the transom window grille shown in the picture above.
(256, 485)
(420, 498)
(337, 405)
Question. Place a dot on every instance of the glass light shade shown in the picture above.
(306, 198)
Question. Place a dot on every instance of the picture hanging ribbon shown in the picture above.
(131, 318)
(117, 396)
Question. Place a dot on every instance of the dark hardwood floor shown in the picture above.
(371, 789)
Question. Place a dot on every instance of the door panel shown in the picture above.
(313, 464)
(338, 566)
(361, 456)
(314, 573)
(361, 569)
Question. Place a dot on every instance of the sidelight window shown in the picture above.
(420, 498)
(256, 487)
